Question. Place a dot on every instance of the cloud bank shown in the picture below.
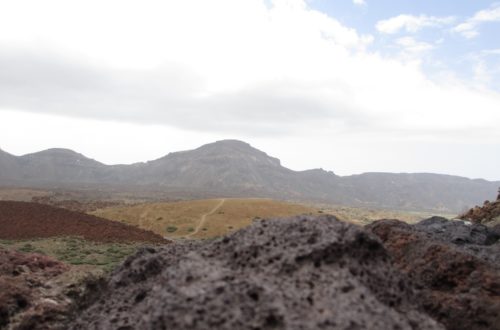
(248, 69)
(411, 23)
(470, 28)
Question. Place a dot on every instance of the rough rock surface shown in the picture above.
(489, 213)
(23, 220)
(455, 265)
(298, 273)
(29, 297)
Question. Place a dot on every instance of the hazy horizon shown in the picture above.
(350, 86)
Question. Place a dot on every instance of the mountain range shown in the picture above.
(234, 168)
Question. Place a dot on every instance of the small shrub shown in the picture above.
(171, 229)
(190, 229)
(27, 248)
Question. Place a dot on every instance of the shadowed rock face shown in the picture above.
(455, 266)
(299, 273)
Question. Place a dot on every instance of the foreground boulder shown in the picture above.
(298, 273)
(455, 265)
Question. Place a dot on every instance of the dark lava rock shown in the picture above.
(298, 273)
(455, 265)
(458, 232)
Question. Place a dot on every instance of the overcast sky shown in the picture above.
(350, 85)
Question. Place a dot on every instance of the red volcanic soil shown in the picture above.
(28, 294)
(23, 220)
(488, 212)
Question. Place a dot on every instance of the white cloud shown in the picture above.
(413, 46)
(491, 51)
(359, 2)
(411, 23)
(244, 69)
(470, 28)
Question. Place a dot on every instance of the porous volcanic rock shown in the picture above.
(297, 273)
(24, 220)
(489, 213)
(29, 298)
(455, 265)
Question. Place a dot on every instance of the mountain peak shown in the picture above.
(57, 152)
(236, 149)
(60, 155)
(229, 144)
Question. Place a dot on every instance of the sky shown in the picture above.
(350, 86)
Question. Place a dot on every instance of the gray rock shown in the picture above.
(298, 273)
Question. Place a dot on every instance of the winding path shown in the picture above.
(203, 218)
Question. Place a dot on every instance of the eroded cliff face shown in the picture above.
(299, 273)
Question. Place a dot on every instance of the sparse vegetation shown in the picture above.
(171, 229)
(185, 216)
(76, 251)
(26, 248)
(233, 214)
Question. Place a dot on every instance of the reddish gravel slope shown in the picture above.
(29, 295)
(23, 220)
(488, 213)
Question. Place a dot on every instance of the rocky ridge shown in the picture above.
(488, 214)
(231, 168)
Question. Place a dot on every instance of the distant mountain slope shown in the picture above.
(8, 167)
(60, 165)
(234, 168)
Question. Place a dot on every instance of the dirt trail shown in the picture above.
(203, 218)
(141, 219)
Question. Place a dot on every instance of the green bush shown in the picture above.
(27, 248)
(171, 229)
